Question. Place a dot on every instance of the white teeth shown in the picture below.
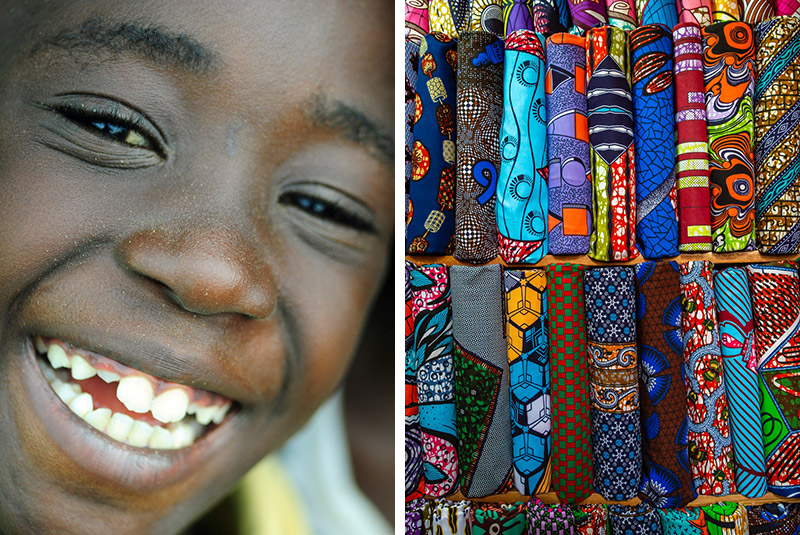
(161, 439)
(41, 347)
(221, 413)
(182, 435)
(108, 376)
(98, 418)
(48, 372)
(81, 369)
(120, 426)
(64, 391)
(136, 393)
(204, 415)
(170, 406)
(57, 357)
(140, 434)
(82, 404)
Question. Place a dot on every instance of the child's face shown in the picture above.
(195, 192)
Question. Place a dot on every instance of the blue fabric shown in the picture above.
(639, 519)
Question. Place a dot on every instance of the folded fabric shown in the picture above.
(590, 519)
(416, 19)
(725, 10)
(639, 519)
(479, 113)
(686, 521)
(695, 11)
(588, 13)
(498, 518)
(657, 12)
(546, 519)
(787, 7)
(774, 519)
(487, 15)
(443, 517)
(725, 518)
(756, 11)
(413, 438)
(569, 185)
(517, 15)
(777, 136)
(529, 376)
(482, 390)
(413, 520)
(449, 17)
(621, 14)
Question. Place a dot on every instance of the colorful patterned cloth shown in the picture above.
(611, 333)
(590, 519)
(588, 13)
(431, 216)
(787, 7)
(774, 519)
(776, 311)
(777, 129)
(521, 207)
(450, 17)
(654, 141)
(710, 452)
(416, 22)
(569, 187)
(621, 14)
(411, 63)
(725, 518)
(487, 15)
(529, 377)
(666, 479)
(498, 518)
(433, 348)
(414, 522)
(479, 112)
(517, 15)
(482, 391)
(756, 11)
(688, 521)
(695, 11)
(569, 380)
(443, 517)
(657, 12)
(725, 10)
(413, 438)
(692, 172)
(546, 519)
(735, 314)
(639, 519)
(728, 63)
(610, 107)
(551, 16)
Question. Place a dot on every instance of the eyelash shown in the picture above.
(328, 210)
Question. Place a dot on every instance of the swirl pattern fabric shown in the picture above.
(487, 16)
(735, 314)
(621, 14)
(431, 212)
(656, 12)
(725, 518)
(590, 519)
(776, 312)
(692, 172)
(757, 11)
(666, 478)
(521, 206)
(639, 519)
(416, 20)
(498, 518)
(479, 112)
(569, 188)
(546, 519)
(433, 348)
(450, 17)
(777, 130)
(529, 377)
(443, 517)
(588, 13)
(569, 380)
(413, 436)
(774, 519)
(611, 333)
(686, 521)
(610, 106)
(482, 389)
(695, 11)
(653, 140)
(729, 76)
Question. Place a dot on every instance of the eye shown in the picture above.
(111, 121)
(341, 211)
(123, 134)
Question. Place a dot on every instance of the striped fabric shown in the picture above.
(756, 11)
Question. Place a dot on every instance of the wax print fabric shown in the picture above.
(529, 376)
(776, 311)
(639, 519)
(611, 332)
(413, 521)
(725, 518)
(411, 62)
(774, 519)
(433, 348)
(413, 438)
(482, 390)
(653, 140)
(521, 207)
(588, 13)
(666, 478)
(544, 519)
(657, 12)
(551, 16)
(735, 313)
(443, 517)
(450, 17)
(590, 519)
(569, 380)
(517, 15)
(610, 108)
(498, 518)
(710, 452)
(777, 129)
(695, 11)
(430, 216)
(685, 521)
(416, 20)
(621, 14)
(787, 7)
(691, 151)
(725, 10)
(728, 63)
(569, 188)
(756, 11)
(479, 112)
(487, 15)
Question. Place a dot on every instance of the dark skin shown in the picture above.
(193, 192)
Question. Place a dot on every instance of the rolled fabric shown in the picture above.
(413, 439)
(479, 113)
(776, 313)
(777, 131)
(656, 12)
(685, 521)
(487, 15)
(590, 519)
(639, 519)
(774, 519)
(735, 314)
(611, 334)
(710, 452)
(653, 140)
(728, 73)
(416, 20)
(550, 16)
(569, 186)
(756, 11)
(787, 7)
(411, 61)
(610, 108)
(694, 202)
(430, 217)
(695, 11)
(726, 518)
(444, 517)
(529, 376)
(725, 10)
(546, 519)
(450, 17)
(498, 518)
(666, 477)
(482, 391)
(621, 14)
(521, 206)
(433, 348)
(413, 520)
(569, 380)
(517, 15)
(588, 13)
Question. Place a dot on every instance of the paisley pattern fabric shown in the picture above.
(610, 108)
(653, 140)
(517, 15)
(588, 13)
(482, 389)
(413, 438)
(479, 112)
(487, 15)
(756, 11)
(728, 72)
(657, 12)
(735, 314)
(590, 519)
(529, 377)
(416, 20)
(521, 207)
(546, 519)
(776, 311)
(688, 521)
(639, 519)
(498, 518)
(569, 379)
(695, 11)
(450, 17)
(710, 452)
(777, 130)
(621, 14)
(443, 517)
(430, 216)
(611, 333)
(692, 141)
(774, 519)
(569, 187)
(725, 519)
(666, 478)
(413, 520)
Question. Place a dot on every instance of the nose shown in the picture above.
(207, 270)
